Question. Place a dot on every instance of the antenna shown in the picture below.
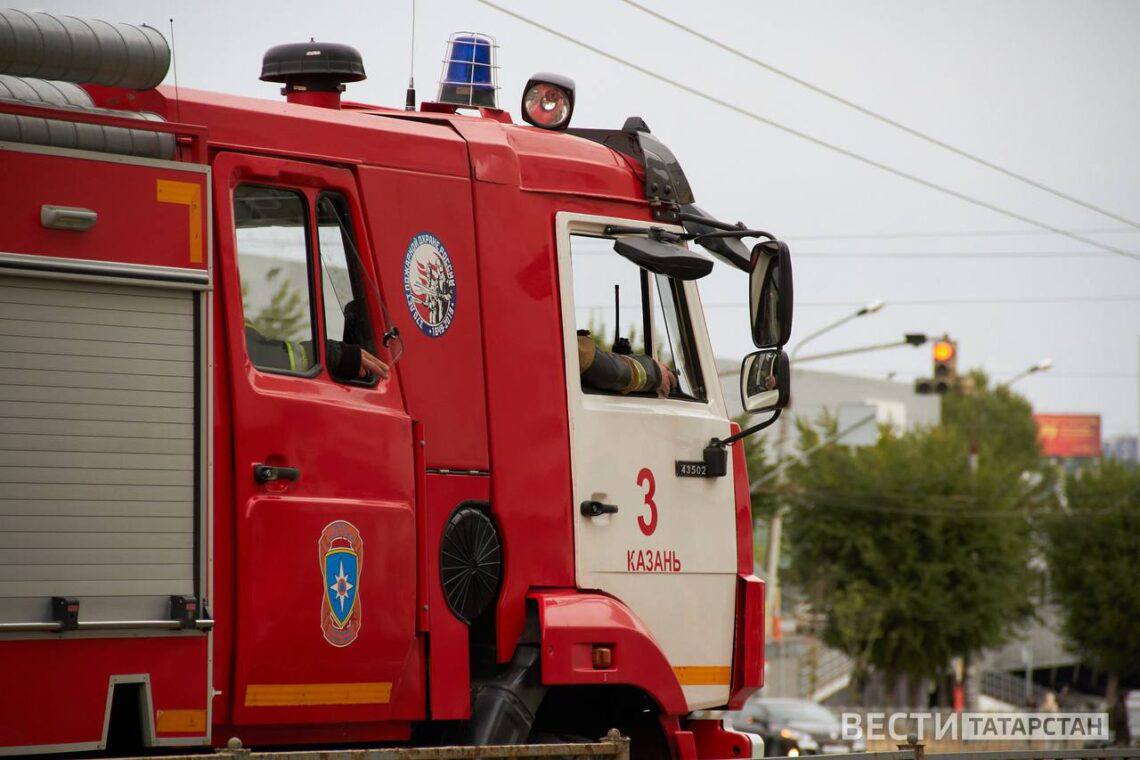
(617, 316)
(174, 64)
(410, 98)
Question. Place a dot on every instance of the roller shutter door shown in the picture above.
(97, 441)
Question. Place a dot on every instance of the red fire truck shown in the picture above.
(216, 521)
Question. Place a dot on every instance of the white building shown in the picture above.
(849, 397)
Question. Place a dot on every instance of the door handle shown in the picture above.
(591, 508)
(267, 473)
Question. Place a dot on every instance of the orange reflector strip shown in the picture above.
(180, 721)
(293, 694)
(187, 194)
(703, 675)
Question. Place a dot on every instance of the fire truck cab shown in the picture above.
(220, 517)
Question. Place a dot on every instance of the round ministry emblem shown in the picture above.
(341, 553)
(429, 284)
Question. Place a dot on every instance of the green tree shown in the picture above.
(285, 316)
(996, 418)
(911, 556)
(760, 468)
(1093, 549)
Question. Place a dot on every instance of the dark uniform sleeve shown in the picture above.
(343, 359)
(616, 373)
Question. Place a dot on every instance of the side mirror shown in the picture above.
(770, 294)
(765, 380)
(661, 257)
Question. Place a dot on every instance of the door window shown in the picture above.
(672, 336)
(343, 291)
(648, 311)
(271, 230)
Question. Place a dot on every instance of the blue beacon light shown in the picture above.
(470, 71)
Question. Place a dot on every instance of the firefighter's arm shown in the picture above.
(348, 361)
(618, 373)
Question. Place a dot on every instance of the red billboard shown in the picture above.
(1068, 435)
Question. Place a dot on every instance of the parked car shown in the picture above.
(793, 727)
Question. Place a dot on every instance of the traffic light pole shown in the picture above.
(910, 339)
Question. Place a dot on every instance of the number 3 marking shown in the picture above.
(645, 477)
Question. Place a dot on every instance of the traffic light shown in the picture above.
(945, 365)
(945, 374)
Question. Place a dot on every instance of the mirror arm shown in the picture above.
(724, 442)
(740, 233)
(708, 221)
(655, 233)
(734, 230)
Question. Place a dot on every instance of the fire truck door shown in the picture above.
(669, 551)
(325, 566)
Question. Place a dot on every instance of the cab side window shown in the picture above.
(271, 229)
(627, 311)
(672, 336)
(343, 291)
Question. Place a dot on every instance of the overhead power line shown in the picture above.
(949, 255)
(880, 117)
(918, 302)
(1037, 376)
(825, 500)
(810, 138)
(952, 301)
(953, 234)
(855, 255)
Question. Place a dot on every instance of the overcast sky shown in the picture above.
(1043, 87)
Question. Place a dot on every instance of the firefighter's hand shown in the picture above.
(668, 381)
(370, 365)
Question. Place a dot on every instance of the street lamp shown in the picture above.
(871, 307)
(772, 595)
(1042, 366)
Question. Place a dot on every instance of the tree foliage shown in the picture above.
(285, 317)
(996, 418)
(911, 555)
(760, 469)
(1093, 551)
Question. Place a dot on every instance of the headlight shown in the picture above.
(804, 740)
(548, 101)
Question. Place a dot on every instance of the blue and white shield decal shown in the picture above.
(342, 576)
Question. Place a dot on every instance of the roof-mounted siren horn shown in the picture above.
(470, 77)
(548, 101)
(314, 73)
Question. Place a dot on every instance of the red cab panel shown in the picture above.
(423, 229)
(47, 200)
